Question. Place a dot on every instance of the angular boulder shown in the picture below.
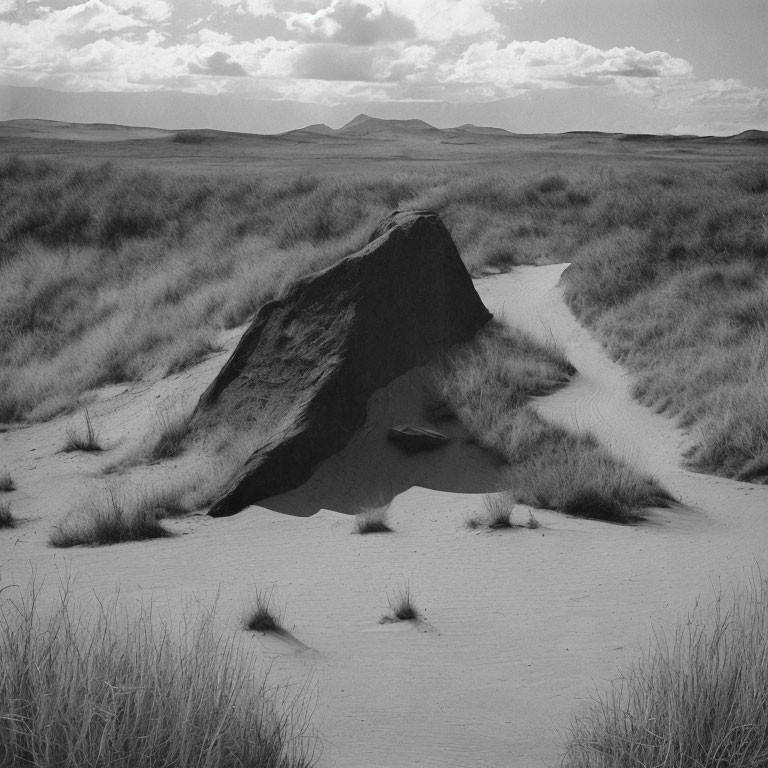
(303, 371)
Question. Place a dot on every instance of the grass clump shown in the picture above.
(110, 688)
(110, 518)
(6, 481)
(6, 517)
(87, 440)
(695, 698)
(488, 383)
(264, 617)
(496, 515)
(372, 520)
(401, 606)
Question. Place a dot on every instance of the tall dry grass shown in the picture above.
(110, 688)
(107, 274)
(675, 281)
(697, 697)
(488, 383)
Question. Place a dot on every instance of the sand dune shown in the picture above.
(518, 625)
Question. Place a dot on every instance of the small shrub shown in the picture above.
(401, 606)
(82, 441)
(108, 519)
(6, 481)
(6, 518)
(264, 618)
(372, 520)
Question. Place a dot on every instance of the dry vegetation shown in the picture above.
(7, 482)
(401, 605)
(487, 384)
(115, 515)
(264, 617)
(108, 689)
(107, 274)
(373, 519)
(698, 698)
(7, 519)
(85, 439)
(674, 279)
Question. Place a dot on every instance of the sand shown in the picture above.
(518, 627)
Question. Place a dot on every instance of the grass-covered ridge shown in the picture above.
(675, 282)
(107, 274)
(116, 689)
(487, 384)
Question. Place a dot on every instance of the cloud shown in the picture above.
(150, 10)
(219, 64)
(561, 62)
(254, 7)
(353, 23)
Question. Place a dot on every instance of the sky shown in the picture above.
(679, 66)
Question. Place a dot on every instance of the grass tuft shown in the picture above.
(6, 517)
(496, 514)
(87, 440)
(697, 698)
(498, 510)
(372, 520)
(401, 605)
(110, 518)
(6, 481)
(264, 617)
(171, 441)
(108, 688)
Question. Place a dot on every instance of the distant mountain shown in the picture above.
(752, 135)
(364, 125)
(321, 128)
(487, 131)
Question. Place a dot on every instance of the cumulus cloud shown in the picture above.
(560, 62)
(254, 7)
(353, 23)
(152, 10)
(219, 64)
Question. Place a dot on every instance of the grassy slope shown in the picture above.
(487, 384)
(675, 282)
(107, 274)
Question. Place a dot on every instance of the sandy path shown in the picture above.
(519, 625)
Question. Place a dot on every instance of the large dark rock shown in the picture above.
(303, 371)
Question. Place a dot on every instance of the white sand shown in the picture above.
(520, 626)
